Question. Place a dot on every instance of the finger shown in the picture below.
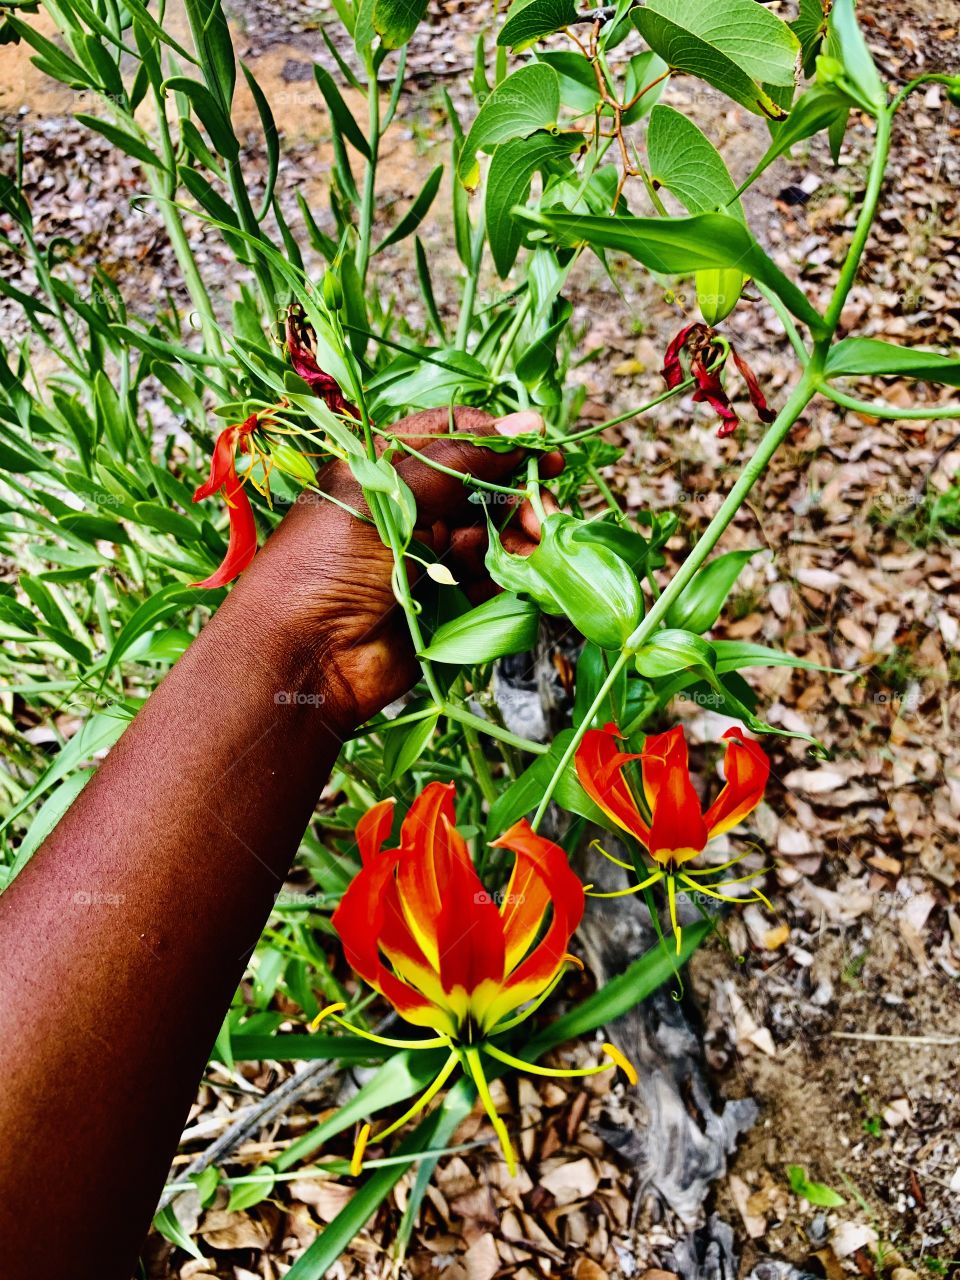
(421, 429)
(529, 520)
(443, 496)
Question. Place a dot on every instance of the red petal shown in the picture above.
(541, 874)
(373, 829)
(469, 930)
(757, 398)
(323, 385)
(222, 464)
(710, 389)
(672, 368)
(678, 829)
(599, 765)
(746, 770)
(242, 546)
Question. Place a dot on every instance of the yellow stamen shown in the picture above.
(499, 1128)
(356, 1160)
(622, 1061)
(325, 1013)
(574, 960)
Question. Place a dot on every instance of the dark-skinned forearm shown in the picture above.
(122, 941)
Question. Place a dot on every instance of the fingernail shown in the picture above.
(526, 422)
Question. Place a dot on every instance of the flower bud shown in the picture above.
(292, 463)
(332, 290)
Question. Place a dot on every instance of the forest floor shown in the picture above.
(840, 1012)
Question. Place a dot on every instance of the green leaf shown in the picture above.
(505, 624)
(733, 654)
(211, 114)
(870, 358)
(127, 142)
(343, 117)
(271, 138)
(679, 246)
(643, 70)
(817, 1193)
(244, 1195)
(206, 1183)
(673, 650)
(396, 20)
(404, 746)
(528, 20)
(699, 606)
(166, 602)
(417, 211)
(508, 184)
(211, 35)
(521, 104)
(156, 516)
(735, 45)
(622, 993)
(248, 1046)
(170, 1227)
(686, 162)
(525, 793)
(432, 1133)
(818, 108)
(809, 27)
(846, 44)
(578, 83)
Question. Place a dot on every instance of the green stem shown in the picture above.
(929, 78)
(510, 337)
(776, 433)
(248, 220)
(851, 263)
(481, 766)
(368, 198)
(470, 287)
(622, 659)
(786, 319)
(880, 409)
(572, 437)
(493, 730)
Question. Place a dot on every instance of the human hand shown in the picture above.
(325, 576)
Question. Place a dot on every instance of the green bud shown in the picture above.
(718, 292)
(291, 463)
(583, 581)
(332, 290)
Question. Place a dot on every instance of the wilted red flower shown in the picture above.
(242, 546)
(706, 354)
(666, 817)
(417, 925)
(323, 385)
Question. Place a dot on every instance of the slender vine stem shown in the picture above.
(368, 198)
(881, 409)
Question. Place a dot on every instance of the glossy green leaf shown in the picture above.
(396, 20)
(171, 1228)
(810, 26)
(700, 604)
(417, 211)
(732, 655)
(872, 358)
(679, 246)
(244, 1195)
(404, 746)
(505, 624)
(210, 113)
(845, 44)
(521, 104)
(686, 162)
(120, 138)
(673, 650)
(529, 20)
(343, 118)
(508, 184)
(735, 45)
(211, 35)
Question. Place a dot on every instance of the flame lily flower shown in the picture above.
(323, 385)
(666, 816)
(706, 354)
(242, 546)
(417, 925)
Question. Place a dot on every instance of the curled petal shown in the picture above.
(599, 764)
(757, 398)
(373, 829)
(323, 385)
(242, 546)
(672, 368)
(423, 874)
(710, 389)
(746, 769)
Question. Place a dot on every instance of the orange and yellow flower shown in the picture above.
(417, 925)
(664, 813)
